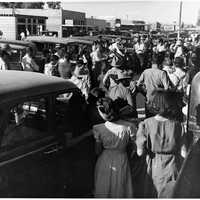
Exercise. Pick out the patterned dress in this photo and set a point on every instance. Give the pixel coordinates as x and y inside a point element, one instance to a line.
<point>112,172</point>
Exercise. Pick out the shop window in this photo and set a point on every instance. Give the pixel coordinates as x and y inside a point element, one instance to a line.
<point>21,20</point>
<point>41,21</point>
<point>34,21</point>
<point>34,30</point>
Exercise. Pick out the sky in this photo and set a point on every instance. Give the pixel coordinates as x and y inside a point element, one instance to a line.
<point>150,11</point>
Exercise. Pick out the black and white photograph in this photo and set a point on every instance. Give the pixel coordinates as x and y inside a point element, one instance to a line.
<point>100,99</point>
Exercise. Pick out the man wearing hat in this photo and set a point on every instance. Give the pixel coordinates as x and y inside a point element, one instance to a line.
<point>80,77</point>
<point>111,76</point>
<point>5,52</point>
<point>120,90</point>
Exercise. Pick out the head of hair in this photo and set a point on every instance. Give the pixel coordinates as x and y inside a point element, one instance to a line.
<point>95,94</point>
<point>54,58</point>
<point>160,40</point>
<point>107,109</point>
<point>168,104</point>
<point>29,50</point>
<point>179,62</point>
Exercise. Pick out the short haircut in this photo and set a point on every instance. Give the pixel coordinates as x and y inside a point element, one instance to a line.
<point>168,104</point>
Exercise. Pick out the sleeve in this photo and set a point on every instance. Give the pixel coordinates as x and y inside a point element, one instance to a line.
<point>140,80</point>
<point>106,77</point>
<point>96,134</point>
<point>165,80</point>
<point>141,137</point>
<point>23,63</point>
<point>128,96</point>
<point>184,143</point>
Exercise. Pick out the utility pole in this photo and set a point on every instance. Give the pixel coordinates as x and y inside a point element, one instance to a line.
<point>179,24</point>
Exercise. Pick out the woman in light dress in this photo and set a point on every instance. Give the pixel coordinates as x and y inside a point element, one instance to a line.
<point>162,140</point>
<point>112,172</point>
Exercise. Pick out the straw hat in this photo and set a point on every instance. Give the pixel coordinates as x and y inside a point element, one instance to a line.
<point>123,75</point>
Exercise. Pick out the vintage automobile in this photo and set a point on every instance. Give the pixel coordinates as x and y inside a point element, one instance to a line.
<point>48,42</point>
<point>37,114</point>
<point>17,50</point>
<point>188,182</point>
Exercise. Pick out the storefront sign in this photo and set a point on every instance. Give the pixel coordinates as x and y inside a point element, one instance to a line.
<point>69,22</point>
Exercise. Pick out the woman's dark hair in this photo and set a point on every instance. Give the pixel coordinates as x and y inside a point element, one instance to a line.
<point>179,61</point>
<point>108,108</point>
<point>95,94</point>
<point>168,104</point>
<point>160,40</point>
<point>54,58</point>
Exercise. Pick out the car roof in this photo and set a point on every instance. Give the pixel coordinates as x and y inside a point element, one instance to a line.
<point>17,44</point>
<point>56,40</point>
<point>15,85</point>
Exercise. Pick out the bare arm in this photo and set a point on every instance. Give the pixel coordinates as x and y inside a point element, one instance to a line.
<point>141,139</point>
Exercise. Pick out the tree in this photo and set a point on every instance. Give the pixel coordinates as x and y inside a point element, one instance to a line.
<point>54,4</point>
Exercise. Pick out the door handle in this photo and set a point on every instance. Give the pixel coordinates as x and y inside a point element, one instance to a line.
<point>56,149</point>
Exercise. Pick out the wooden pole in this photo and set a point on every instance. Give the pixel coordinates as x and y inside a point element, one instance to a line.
<point>179,24</point>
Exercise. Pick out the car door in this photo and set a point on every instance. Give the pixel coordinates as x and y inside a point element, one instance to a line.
<point>30,152</point>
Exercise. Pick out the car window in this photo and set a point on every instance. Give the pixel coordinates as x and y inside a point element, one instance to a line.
<point>14,61</point>
<point>23,122</point>
<point>70,113</point>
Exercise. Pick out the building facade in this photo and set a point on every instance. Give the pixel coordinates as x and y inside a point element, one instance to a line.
<point>96,24</point>
<point>13,23</point>
<point>64,22</point>
<point>127,25</point>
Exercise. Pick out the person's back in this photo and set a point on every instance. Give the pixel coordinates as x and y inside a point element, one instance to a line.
<point>28,62</point>
<point>153,79</point>
<point>64,69</point>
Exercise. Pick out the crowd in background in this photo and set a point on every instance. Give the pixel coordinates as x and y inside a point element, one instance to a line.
<point>110,76</point>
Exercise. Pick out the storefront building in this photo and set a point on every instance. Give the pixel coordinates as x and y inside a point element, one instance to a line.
<point>63,22</point>
<point>12,24</point>
<point>96,24</point>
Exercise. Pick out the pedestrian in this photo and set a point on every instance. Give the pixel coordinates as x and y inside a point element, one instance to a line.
<point>117,47</point>
<point>64,66</point>
<point>161,50</point>
<point>151,80</point>
<point>178,77</point>
<point>122,92</point>
<point>28,62</point>
<point>162,140</point>
<point>80,77</point>
<point>194,67</point>
<point>92,111</point>
<point>98,60</point>
<point>140,49</point>
<point>5,52</point>
<point>111,76</point>
<point>51,68</point>
<point>112,171</point>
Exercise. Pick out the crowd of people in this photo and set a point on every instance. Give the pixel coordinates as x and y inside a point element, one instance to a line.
<point>137,157</point>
